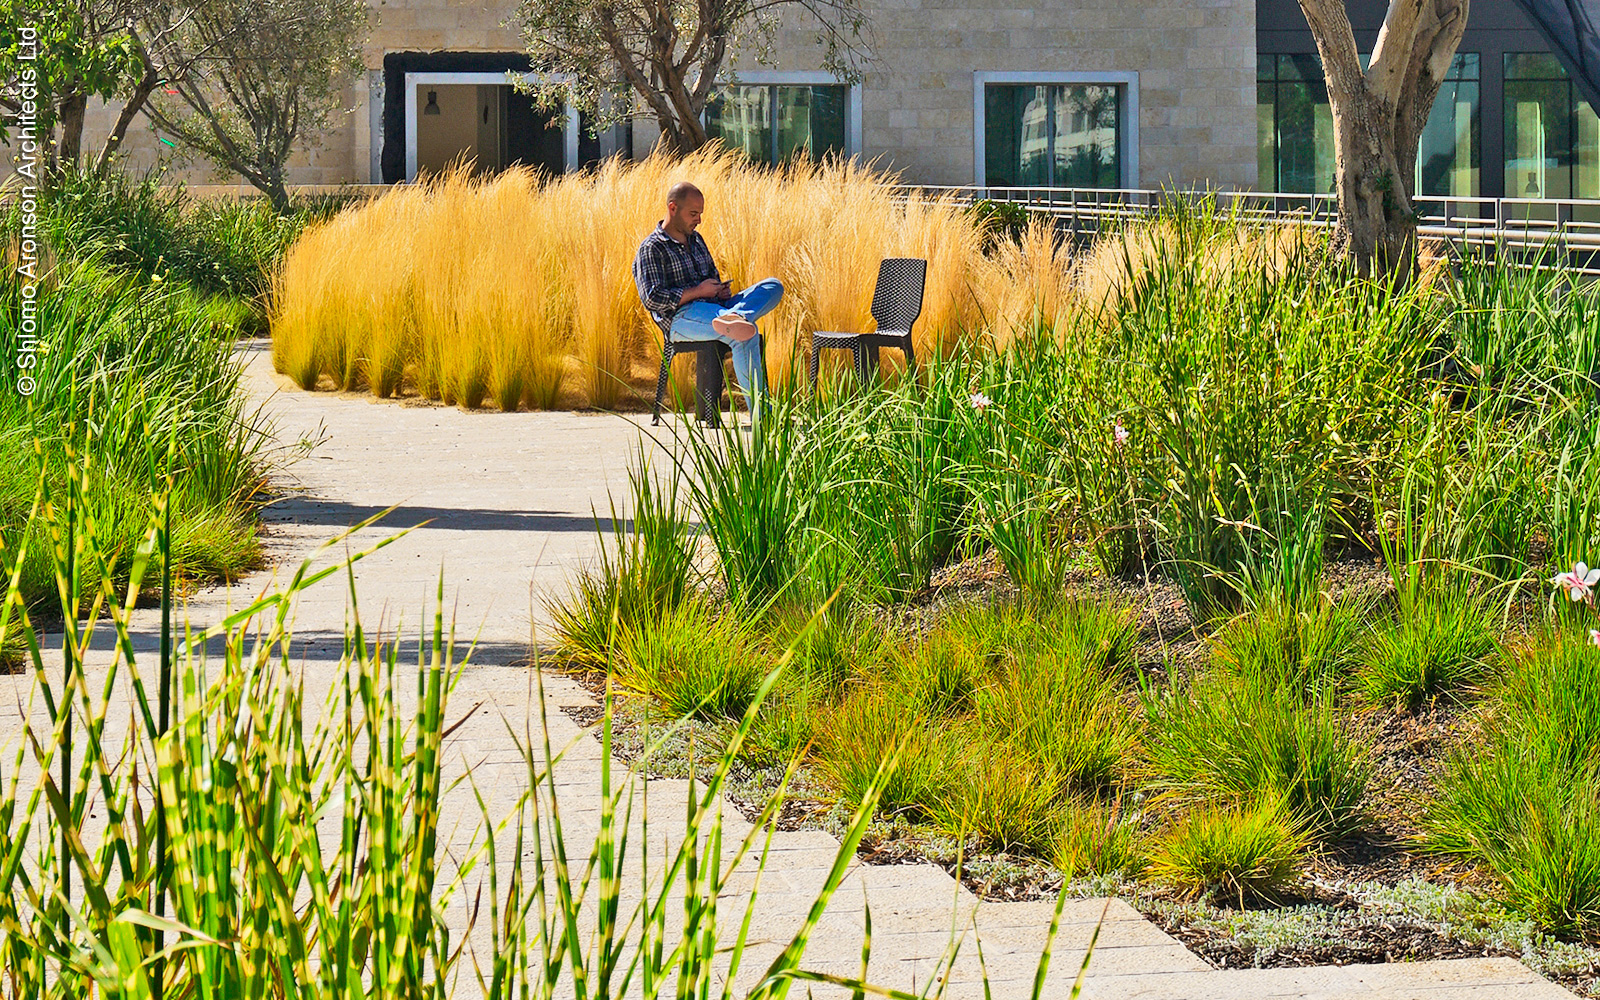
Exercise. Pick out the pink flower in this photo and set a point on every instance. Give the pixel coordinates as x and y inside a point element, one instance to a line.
<point>980,402</point>
<point>1119,435</point>
<point>1594,636</point>
<point>1577,582</point>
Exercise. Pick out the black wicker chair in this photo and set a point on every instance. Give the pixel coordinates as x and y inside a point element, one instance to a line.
<point>709,355</point>
<point>896,304</point>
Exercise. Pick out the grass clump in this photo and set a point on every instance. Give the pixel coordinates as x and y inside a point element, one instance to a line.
<point>643,571</point>
<point>1249,852</point>
<point>1526,806</point>
<point>870,728</point>
<point>1220,739</point>
<point>1306,647</point>
<point>1097,838</point>
<point>995,791</point>
<point>1441,647</point>
<point>135,380</point>
<point>1070,714</point>
<point>941,676</point>
<point>695,663</point>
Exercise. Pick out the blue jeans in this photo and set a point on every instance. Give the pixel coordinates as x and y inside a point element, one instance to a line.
<point>693,323</point>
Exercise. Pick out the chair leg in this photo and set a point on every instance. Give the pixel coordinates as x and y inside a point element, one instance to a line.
<point>708,384</point>
<point>911,358</point>
<point>661,382</point>
<point>814,362</point>
<point>863,364</point>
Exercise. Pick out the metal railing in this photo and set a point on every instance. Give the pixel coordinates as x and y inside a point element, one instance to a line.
<point>1565,227</point>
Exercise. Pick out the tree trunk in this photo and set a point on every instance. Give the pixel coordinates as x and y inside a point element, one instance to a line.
<point>1377,225</point>
<point>136,101</point>
<point>270,183</point>
<point>674,139</point>
<point>70,145</point>
<point>1378,118</point>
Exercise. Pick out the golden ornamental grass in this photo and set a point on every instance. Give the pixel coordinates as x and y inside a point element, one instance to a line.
<point>518,292</point>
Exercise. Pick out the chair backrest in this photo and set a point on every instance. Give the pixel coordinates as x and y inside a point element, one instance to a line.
<point>897,298</point>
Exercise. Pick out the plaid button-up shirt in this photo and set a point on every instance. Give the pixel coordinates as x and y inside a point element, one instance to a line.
<point>663,268</point>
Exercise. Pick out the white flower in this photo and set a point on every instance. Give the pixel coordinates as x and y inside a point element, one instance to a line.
<point>980,402</point>
<point>1578,582</point>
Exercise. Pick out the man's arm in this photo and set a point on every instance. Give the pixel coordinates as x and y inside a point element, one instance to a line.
<point>650,277</point>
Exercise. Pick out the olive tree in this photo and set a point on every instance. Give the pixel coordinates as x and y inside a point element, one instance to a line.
<point>1378,116</point>
<point>247,81</point>
<point>661,58</point>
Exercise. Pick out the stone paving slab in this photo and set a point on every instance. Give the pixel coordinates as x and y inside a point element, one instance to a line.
<point>509,498</point>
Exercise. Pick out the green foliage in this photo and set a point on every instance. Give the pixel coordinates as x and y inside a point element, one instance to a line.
<point>91,56</point>
<point>1000,220</point>
<point>994,791</point>
<point>298,851</point>
<point>134,380</point>
<point>1527,804</point>
<point>871,728</point>
<point>743,491</point>
<point>1223,739</point>
<point>1239,853</point>
<point>1440,646</point>
<point>228,247</point>
<point>1070,714</point>
<point>691,661</point>
<point>940,676</point>
<point>828,648</point>
<point>1306,648</point>
<point>643,571</point>
<point>1093,838</point>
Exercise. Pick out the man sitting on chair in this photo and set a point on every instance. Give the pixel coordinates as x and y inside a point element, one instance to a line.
<point>679,283</point>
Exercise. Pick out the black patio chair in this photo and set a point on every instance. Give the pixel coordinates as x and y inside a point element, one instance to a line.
<point>896,304</point>
<point>709,355</point>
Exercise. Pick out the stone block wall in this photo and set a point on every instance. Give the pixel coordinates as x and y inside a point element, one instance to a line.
<point>1195,61</point>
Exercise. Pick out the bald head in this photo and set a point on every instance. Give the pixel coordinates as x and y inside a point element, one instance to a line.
<point>678,193</point>
<point>685,203</point>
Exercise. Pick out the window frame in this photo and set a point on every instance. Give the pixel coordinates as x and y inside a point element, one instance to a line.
<point>1126,82</point>
<point>773,78</point>
<point>415,82</point>
<point>1575,100</point>
<point>1279,80</point>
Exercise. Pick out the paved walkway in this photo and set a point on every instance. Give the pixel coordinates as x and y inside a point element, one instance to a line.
<point>507,498</point>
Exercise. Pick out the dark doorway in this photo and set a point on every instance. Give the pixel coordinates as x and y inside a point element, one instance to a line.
<point>534,138</point>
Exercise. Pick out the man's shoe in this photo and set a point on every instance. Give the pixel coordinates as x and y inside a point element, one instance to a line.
<point>734,325</point>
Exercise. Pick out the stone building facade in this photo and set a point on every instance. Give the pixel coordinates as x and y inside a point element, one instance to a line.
<point>1080,93</point>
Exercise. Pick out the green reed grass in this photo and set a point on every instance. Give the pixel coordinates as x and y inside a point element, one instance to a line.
<point>227,247</point>
<point>1524,804</point>
<point>1097,838</point>
<point>644,569</point>
<point>1440,646</point>
<point>1223,739</point>
<point>135,380</point>
<point>192,855</point>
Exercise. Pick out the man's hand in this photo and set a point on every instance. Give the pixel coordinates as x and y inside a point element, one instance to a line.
<point>710,288</point>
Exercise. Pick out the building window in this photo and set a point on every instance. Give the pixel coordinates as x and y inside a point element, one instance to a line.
<point>1052,135</point>
<point>1295,127</point>
<point>1447,153</point>
<point>1294,124</point>
<point>1552,137</point>
<point>772,123</point>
